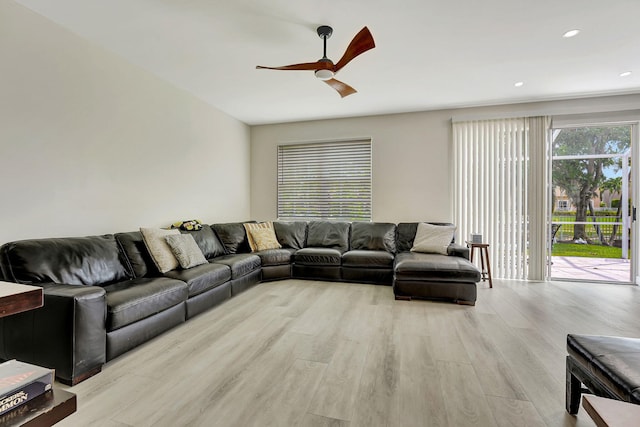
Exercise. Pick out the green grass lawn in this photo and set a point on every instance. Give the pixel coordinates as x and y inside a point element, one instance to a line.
<point>586,251</point>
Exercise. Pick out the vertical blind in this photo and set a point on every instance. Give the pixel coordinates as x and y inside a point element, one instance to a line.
<point>329,180</point>
<point>493,194</point>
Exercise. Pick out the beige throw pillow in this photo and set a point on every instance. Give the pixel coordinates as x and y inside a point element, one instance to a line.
<point>186,250</point>
<point>433,239</point>
<point>265,238</point>
<point>159,248</point>
<point>250,226</point>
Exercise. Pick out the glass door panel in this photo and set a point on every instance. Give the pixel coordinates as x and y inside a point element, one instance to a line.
<point>591,204</point>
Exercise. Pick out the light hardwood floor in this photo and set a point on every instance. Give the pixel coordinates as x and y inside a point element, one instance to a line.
<point>336,354</point>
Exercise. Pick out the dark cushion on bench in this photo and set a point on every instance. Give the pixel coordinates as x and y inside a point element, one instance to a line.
<point>614,361</point>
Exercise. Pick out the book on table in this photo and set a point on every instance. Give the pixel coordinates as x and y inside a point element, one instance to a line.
<point>20,382</point>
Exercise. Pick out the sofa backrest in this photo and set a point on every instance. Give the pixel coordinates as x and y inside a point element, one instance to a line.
<point>233,236</point>
<point>328,234</point>
<point>92,261</point>
<point>138,257</point>
<point>291,234</point>
<point>207,241</point>
<point>406,234</point>
<point>373,236</point>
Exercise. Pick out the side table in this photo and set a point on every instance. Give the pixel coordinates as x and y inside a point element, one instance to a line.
<point>484,259</point>
<point>53,405</point>
<point>16,298</point>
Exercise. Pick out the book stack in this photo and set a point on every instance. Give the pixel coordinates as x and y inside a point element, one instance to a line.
<point>20,382</point>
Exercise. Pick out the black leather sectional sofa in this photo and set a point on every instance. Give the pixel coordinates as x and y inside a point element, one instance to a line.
<point>104,295</point>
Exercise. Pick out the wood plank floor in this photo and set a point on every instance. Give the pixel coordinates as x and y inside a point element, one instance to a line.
<point>311,353</point>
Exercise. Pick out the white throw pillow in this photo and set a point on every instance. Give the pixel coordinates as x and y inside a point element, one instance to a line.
<point>186,250</point>
<point>159,248</point>
<point>433,239</point>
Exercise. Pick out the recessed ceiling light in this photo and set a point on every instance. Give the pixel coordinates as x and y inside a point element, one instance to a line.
<point>625,74</point>
<point>570,33</point>
<point>518,84</point>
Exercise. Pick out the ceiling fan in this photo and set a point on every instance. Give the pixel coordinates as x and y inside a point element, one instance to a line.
<point>325,69</point>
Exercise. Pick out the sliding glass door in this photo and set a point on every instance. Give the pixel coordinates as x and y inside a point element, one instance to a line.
<point>592,204</point>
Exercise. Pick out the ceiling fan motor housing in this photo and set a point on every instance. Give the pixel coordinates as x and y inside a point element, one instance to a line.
<point>325,73</point>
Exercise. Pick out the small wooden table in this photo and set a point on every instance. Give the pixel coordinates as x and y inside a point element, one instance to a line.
<point>611,413</point>
<point>16,298</point>
<point>484,259</point>
<point>52,406</point>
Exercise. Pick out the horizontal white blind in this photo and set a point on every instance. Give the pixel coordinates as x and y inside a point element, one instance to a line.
<point>325,181</point>
<point>491,186</point>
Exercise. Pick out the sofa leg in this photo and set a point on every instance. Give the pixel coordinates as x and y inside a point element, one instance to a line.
<point>403,298</point>
<point>80,378</point>
<point>463,302</point>
<point>574,389</point>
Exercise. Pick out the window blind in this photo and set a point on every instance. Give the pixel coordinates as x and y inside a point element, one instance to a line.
<point>499,191</point>
<point>329,181</point>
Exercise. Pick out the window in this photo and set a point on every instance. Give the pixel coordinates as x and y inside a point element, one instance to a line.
<point>325,181</point>
<point>563,205</point>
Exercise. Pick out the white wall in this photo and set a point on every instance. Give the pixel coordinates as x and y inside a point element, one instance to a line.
<point>411,153</point>
<point>91,144</point>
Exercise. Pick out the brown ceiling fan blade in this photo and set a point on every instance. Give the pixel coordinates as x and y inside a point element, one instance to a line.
<point>362,42</point>
<point>305,66</point>
<point>342,88</point>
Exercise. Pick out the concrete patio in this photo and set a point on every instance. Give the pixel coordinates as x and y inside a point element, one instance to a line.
<point>591,269</point>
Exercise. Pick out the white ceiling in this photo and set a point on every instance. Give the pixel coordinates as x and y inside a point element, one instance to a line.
<point>430,54</point>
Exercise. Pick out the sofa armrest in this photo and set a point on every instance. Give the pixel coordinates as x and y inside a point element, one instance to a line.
<point>455,249</point>
<point>67,334</point>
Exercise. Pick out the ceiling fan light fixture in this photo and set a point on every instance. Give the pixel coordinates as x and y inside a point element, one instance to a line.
<point>324,74</point>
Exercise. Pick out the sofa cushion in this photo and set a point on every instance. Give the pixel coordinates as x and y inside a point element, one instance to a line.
<point>328,234</point>
<point>233,236</point>
<point>137,299</point>
<point>240,264</point>
<point>254,227</point>
<point>159,248</point>
<point>418,266</point>
<point>433,239</point>
<point>373,236</point>
<point>406,233</point>
<point>136,254</point>
<point>291,234</point>
<point>92,261</point>
<point>318,257</point>
<point>276,256</point>
<point>203,277</point>
<point>264,239</point>
<point>186,250</point>
<point>208,242</point>
<point>367,259</point>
